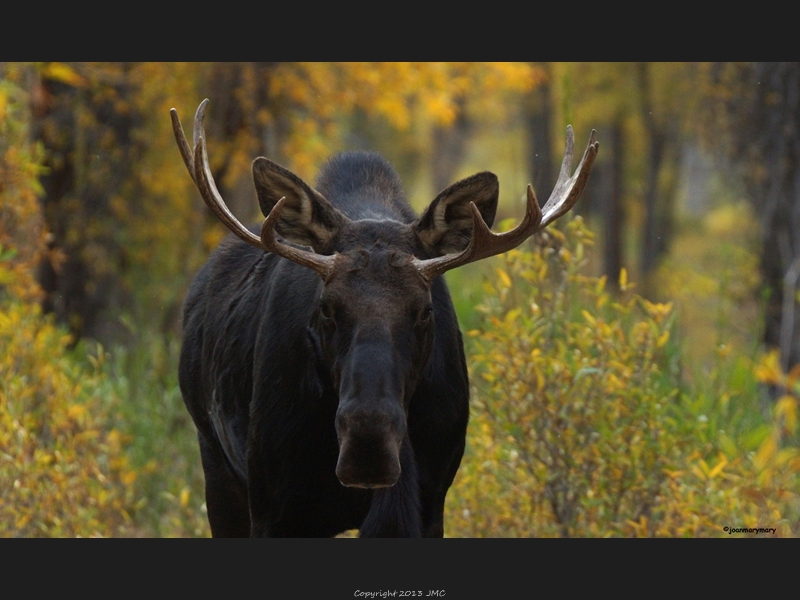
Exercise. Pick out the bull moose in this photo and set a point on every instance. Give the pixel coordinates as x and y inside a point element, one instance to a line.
<point>322,361</point>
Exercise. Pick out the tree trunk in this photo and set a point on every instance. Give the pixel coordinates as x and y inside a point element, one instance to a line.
<point>658,216</point>
<point>764,109</point>
<point>90,153</point>
<point>538,118</point>
<point>614,214</point>
<point>449,149</point>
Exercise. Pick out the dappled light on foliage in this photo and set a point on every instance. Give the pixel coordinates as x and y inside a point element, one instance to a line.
<point>581,425</point>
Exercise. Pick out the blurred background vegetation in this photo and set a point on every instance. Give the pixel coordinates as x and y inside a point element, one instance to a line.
<point>635,368</point>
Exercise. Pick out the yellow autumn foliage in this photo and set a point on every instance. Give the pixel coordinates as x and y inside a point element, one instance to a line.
<point>582,426</point>
<point>21,232</point>
<point>404,94</point>
<point>62,463</point>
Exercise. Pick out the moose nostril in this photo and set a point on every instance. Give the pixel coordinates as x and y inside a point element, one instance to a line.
<point>369,445</point>
<point>368,462</point>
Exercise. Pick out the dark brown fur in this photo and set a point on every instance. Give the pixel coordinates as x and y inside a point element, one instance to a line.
<point>323,406</point>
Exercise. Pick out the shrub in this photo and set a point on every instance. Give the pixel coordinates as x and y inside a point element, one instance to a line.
<point>62,465</point>
<point>581,425</point>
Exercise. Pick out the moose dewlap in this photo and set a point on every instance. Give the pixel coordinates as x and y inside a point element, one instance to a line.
<point>322,361</point>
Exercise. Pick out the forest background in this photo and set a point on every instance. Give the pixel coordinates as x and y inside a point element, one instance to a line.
<point>634,367</point>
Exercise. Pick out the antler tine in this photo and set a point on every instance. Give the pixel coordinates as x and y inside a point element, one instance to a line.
<point>208,189</point>
<point>321,263</point>
<point>200,171</point>
<point>183,145</point>
<point>484,243</point>
<point>199,128</point>
<point>568,189</point>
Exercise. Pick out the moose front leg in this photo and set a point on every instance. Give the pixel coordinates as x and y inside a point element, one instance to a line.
<point>226,494</point>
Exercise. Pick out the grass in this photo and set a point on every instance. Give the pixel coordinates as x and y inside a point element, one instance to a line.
<point>163,444</point>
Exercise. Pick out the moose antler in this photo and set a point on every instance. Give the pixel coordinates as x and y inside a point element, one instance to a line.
<point>484,243</point>
<point>197,164</point>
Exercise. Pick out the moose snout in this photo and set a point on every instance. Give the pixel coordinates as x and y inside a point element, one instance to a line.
<point>369,446</point>
<point>370,419</point>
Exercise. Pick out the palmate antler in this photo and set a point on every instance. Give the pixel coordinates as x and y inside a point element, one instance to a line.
<point>483,242</point>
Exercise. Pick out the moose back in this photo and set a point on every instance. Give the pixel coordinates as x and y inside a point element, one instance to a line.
<point>322,361</point>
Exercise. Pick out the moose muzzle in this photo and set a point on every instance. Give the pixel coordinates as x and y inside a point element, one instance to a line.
<point>370,420</point>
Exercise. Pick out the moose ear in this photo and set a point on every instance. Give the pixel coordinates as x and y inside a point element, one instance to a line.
<point>446,225</point>
<point>307,218</point>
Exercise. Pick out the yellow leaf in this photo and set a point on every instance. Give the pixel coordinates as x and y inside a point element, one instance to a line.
<point>76,410</point>
<point>601,284</point>
<point>769,369</point>
<point>63,73</point>
<point>22,521</point>
<point>699,472</point>
<point>786,408</point>
<point>718,468</point>
<point>504,278</point>
<point>766,451</point>
<point>662,339</point>
<point>657,310</point>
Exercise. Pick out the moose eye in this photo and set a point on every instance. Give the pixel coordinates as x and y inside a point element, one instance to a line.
<point>325,311</point>
<point>425,314</point>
